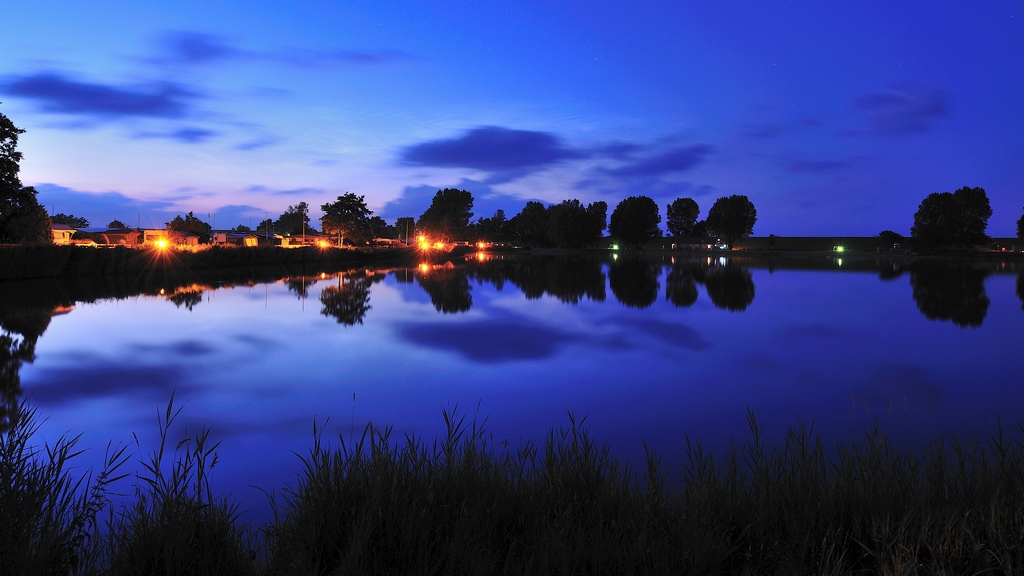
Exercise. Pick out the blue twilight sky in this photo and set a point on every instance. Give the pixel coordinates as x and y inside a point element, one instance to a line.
<point>833,118</point>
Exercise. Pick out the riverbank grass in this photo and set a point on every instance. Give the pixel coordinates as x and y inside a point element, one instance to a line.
<point>468,504</point>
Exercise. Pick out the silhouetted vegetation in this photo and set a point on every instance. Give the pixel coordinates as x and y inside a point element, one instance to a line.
<point>191,224</point>
<point>22,219</point>
<point>635,221</point>
<point>349,217</point>
<point>681,217</point>
<point>70,220</point>
<point>293,221</point>
<point>467,503</point>
<point>953,219</point>
<point>448,215</point>
<point>731,217</point>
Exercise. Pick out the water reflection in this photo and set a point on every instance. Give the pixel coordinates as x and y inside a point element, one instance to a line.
<point>349,300</point>
<point>448,287</point>
<point>634,281</point>
<point>569,279</point>
<point>187,297</point>
<point>21,328</point>
<point>730,287</point>
<point>941,291</point>
<point>1020,289</point>
<point>954,293</point>
<point>681,286</point>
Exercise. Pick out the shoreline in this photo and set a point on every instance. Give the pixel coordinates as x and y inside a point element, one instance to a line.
<point>33,262</point>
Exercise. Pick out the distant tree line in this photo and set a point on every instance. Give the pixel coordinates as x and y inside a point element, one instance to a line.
<point>943,219</point>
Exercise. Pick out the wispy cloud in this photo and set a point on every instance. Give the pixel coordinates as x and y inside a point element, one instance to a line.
<point>492,149</point>
<point>184,135</point>
<point>193,48</point>
<point>188,48</point>
<point>817,166</point>
<point>59,93</point>
<point>903,110</point>
<point>673,160</point>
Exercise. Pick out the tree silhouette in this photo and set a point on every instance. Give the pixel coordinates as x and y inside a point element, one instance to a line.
<point>406,227</point>
<point>957,219</point>
<point>70,220</point>
<point>635,221</point>
<point>681,216</point>
<point>1020,228</point>
<point>347,216</point>
<point>732,217</point>
<point>448,215</point>
<point>294,220</point>
<point>531,225</point>
<point>191,224</point>
<point>22,218</point>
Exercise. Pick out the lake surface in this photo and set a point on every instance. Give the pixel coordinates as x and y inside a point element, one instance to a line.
<point>647,350</point>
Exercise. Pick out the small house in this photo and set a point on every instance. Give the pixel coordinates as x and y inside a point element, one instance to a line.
<point>62,234</point>
<point>111,236</point>
<point>236,239</point>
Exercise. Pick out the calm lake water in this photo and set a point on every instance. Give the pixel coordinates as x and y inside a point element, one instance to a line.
<point>645,349</point>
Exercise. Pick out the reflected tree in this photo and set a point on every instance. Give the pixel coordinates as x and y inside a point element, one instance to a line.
<point>299,285</point>
<point>448,288</point>
<point>634,282</point>
<point>20,329</point>
<point>956,294</point>
<point>1020,289</point>
<point>680,287</point>
<point>187,299</point>
<point>570,280</point>
<point>730,287</point>
<point>348,301</point>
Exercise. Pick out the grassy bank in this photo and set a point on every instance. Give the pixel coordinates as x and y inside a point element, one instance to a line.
<point>466,504</point>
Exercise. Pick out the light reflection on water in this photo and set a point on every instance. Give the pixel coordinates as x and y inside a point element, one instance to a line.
<point>646,350</point>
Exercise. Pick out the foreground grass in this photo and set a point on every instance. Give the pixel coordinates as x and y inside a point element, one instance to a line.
<point>466,505</point>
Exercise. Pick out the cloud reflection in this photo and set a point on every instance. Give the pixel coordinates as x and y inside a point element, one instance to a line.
<point>487,341</point>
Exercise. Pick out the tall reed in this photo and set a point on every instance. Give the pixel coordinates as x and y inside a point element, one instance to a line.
<point>469,504</point>
<point>48,518</point>
<point>176,525</point>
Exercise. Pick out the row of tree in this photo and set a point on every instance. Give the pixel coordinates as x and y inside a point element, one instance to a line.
<point>572,224</point>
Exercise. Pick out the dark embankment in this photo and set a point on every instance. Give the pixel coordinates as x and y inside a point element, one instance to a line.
<point>28,262</point>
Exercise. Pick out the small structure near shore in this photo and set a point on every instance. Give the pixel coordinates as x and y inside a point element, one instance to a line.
<point>62,234</point>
